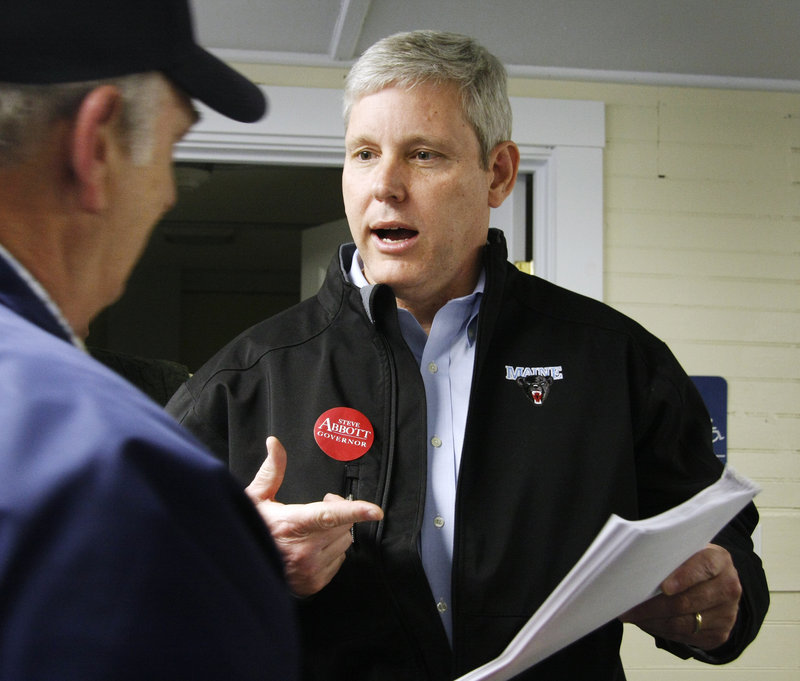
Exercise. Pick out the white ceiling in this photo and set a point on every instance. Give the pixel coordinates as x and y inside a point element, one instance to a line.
<point>604,39</point>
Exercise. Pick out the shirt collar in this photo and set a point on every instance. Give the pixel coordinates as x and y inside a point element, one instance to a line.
<point>21,305</point>
<point>468,306</point>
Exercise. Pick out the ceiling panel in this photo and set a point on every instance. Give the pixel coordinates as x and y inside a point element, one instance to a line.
<point>726,38</point>
<point>300,26</point>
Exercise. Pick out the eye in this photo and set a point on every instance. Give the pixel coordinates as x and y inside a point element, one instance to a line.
<point>364,155</point>
<point>423,155</point>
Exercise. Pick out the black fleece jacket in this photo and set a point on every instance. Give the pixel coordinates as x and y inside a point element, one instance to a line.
<point>618,428</point>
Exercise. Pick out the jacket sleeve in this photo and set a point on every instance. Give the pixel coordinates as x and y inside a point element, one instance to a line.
<point>204,413</point>
<point>119,564</point>
<point>676,459</point>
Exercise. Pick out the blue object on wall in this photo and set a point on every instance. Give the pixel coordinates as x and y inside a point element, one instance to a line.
<point>714,391</point>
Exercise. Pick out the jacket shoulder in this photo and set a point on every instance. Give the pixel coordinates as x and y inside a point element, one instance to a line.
<point>292,327</point>
<point>576,320</point>
<point>559,304</point>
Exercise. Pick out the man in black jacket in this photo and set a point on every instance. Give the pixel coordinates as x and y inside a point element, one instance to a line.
<point>497,419</point>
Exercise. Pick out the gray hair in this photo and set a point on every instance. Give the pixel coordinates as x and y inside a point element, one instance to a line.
<point>28,111</point>
<point>410,59</point>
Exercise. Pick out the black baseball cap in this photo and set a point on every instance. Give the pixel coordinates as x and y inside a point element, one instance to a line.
<point>62,41</point>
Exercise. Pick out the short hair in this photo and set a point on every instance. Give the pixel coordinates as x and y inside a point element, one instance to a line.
<point>410,59</point>
<point>28,111</point>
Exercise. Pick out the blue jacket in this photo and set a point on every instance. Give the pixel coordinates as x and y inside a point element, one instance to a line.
<point>126,551</point>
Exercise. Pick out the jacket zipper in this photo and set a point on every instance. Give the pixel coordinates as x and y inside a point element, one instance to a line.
<point>351,475</point>
<point>390,445</point>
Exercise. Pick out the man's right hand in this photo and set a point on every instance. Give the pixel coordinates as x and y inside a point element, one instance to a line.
<point>312,538</point>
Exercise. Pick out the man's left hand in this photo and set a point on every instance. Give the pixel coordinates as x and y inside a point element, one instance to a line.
<point>698,602</point>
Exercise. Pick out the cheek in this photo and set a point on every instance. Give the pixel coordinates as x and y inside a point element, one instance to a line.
<point>350,211</point>
<point>473,198</point>
<point>355,205</point>
<point>350,189</point>
<point>459,189</point>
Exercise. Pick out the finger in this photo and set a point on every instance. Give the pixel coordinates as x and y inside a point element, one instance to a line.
<point>268,479</point>
<point>309,543</point>
<point>343,512</point>
<point>701,567</point>
<point>339,541</point>
<point>333,513</point>
<point>710,630</point>
<point>317,518</point>
<point>683,605</point>
<point>676,617</point>
<point>356,510</point>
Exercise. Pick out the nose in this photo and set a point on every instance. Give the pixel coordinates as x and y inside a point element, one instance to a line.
<point>389,182</point>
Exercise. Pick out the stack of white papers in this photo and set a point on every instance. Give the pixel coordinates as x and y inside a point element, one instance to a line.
<point>623,567</point>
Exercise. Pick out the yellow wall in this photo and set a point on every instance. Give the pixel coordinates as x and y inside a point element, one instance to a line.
<point>702,246</point>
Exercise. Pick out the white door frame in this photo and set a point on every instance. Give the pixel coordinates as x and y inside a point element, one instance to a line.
<point>561,143</point>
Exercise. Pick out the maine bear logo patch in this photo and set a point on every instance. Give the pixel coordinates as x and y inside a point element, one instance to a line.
<point>535,387</point>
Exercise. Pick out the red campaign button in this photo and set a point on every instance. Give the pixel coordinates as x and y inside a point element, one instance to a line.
<point>344,434</point>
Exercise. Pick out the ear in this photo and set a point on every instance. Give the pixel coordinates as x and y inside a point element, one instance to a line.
<point>94,145</point>
<point>503,166</point>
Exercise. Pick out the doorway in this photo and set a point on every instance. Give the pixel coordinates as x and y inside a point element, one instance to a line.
<point>225,257</point>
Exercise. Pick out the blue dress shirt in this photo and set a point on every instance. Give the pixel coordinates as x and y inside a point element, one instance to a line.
<point>446,357</point>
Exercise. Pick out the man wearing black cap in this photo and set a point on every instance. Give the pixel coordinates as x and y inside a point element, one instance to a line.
<point>126,551</point>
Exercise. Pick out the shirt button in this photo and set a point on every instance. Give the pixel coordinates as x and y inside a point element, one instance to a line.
<point>441,606</point>
<point>433,368</point>
<point>436,442</point>
<point>438,521</point>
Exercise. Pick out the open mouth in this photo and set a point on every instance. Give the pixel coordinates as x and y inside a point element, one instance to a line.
<point>393,234</point>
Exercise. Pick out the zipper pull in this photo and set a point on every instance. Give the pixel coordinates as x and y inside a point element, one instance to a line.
<point>351,481</point>
<point>351,473</point>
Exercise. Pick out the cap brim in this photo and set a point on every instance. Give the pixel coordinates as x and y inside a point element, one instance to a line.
<point>205,77</point>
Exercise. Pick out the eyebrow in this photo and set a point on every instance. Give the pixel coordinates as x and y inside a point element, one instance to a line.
<point>413,141</point>
<point>356,141</point>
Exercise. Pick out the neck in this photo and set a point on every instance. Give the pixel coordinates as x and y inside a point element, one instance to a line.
<point>425,308</point>
<point>423,313</point>
<point>43,240</point>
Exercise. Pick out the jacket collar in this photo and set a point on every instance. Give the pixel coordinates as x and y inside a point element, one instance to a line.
<point>17,293</point>
<point>497,268</point>
<point>495,256</point>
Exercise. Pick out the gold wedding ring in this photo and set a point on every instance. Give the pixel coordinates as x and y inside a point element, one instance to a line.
<point>698,622</point>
